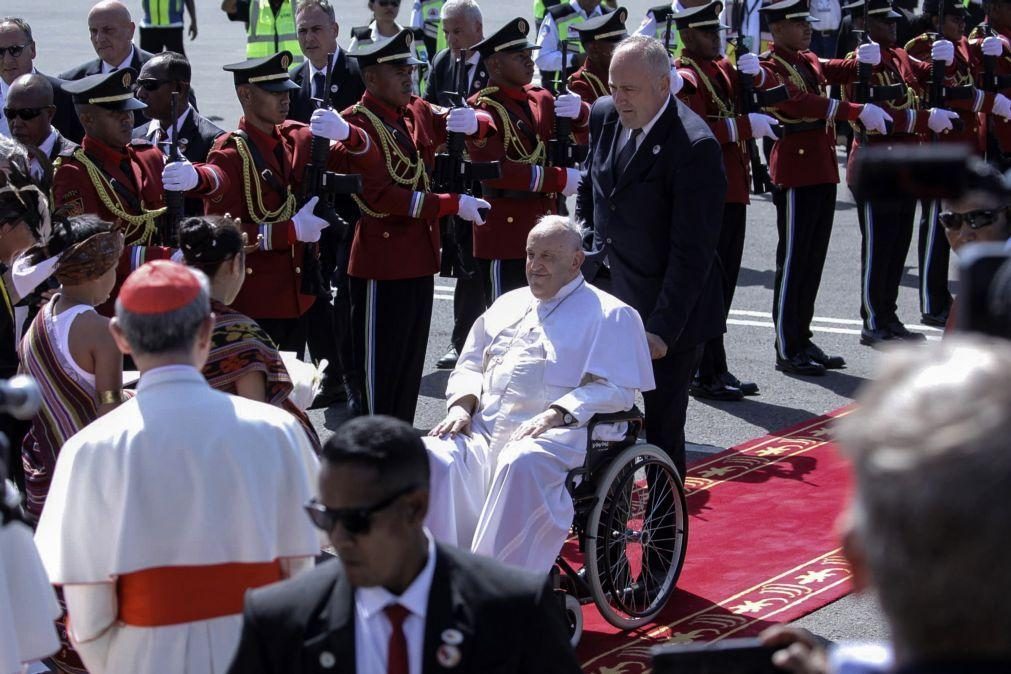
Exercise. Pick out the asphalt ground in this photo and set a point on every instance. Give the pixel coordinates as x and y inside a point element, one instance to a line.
<point>61,35</point>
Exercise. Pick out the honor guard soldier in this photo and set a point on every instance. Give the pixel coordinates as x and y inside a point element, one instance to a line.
<point>712,89</point>
<point>886,226</point>
<point>948,19</point>
<point>395,252</point>
<point>265,160</point>
<point>804,170</point>
<point>124,180</point>
<point>994,65</point>
<point>598,37</point>
<point>557,24</point>
<point>525,118</point>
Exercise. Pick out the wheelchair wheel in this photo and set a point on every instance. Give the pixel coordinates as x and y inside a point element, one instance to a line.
<point>574,617</point>
<point>636,536</point>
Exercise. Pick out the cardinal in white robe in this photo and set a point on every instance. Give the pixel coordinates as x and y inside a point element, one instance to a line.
<point>163,512</point>
<point>536,367</point>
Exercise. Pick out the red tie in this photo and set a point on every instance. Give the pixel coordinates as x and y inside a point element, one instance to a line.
<point>396,661</point>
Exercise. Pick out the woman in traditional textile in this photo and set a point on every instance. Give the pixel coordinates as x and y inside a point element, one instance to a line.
<point>68,348</point>
<point>243,359</point>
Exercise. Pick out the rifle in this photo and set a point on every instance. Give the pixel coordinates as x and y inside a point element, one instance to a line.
<point>327,185</point>
<point>939,94</point>
<point>561,150</point>
<point>992,82</point>
<point>175,202</point>
<point>865,91</point>
<point>455,174</point>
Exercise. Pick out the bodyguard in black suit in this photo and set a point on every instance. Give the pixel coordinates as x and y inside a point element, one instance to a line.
<point>655,213</point>
<point>411,603</point>
<point>32,123</point>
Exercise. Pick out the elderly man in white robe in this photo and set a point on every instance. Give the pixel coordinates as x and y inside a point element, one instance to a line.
<point>537,366</point>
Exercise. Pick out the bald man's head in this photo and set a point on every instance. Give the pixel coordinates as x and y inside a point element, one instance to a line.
<point>31,96</point>
<point>111,28</point>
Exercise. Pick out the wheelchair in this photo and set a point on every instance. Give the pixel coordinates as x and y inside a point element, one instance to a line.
<point>631,525</point>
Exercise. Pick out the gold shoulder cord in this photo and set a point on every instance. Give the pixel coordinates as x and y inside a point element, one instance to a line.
<point>259,213</point>
<point>145,222</point>
<point>596,84</point>
<point>798,81</point>
<point>725,111</point>
<point>510,137</point>
<point>413,175</point>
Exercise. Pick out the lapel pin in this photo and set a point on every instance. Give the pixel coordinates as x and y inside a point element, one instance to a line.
<point>333,88</point>
<point>656,149</point>
<point>327,660</point>
<point>452,637</point>
<point>448,656</point>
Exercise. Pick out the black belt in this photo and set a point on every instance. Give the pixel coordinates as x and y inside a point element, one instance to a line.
<point>494,193</point>
<point>789,129</point>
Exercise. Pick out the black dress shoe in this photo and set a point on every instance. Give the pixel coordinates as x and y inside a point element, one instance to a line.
<point>448,360</point>
<point>899,331</point>
<point>877,337</point>
<point>937,320</point>
<point>815,353</point>
<point>748,388</point>
<point>353,390</point>
<point>714,389</point>
<point>800,364</point>
<point>331,393</point>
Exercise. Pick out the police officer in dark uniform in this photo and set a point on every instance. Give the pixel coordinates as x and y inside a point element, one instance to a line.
<point>395,252</point>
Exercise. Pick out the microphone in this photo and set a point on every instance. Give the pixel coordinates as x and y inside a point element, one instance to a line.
<point>20,397</point>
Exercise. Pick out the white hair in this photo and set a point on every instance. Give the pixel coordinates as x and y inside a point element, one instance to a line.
<point>464,9</point>
<point>559,224</point>
<point>649,49</point>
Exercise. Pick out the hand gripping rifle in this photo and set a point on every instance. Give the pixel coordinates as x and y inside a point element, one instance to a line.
<point>456,174</point>
<point>561,149</point>
<point>175,202</point>
<point>327,185</point>
<point>939,93</point>
<point>991,81</point>
<point>866,91</point>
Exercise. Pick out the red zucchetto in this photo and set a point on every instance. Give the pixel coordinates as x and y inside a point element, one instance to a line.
<point>158,287</point>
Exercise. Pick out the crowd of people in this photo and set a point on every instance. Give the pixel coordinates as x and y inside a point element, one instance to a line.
<point>163,277</point>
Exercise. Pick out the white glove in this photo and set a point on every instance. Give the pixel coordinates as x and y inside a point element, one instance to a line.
<point>940,120</point>
<point>869,53</point>
<point>1001,106</point>
<point>943,50</point>
<point>992,46</point>
<point>469,206</point>
<point>873,118</point>
<point>572,178</point>
<point>748,64</point>
<point>568,105</point>
<point>676,82</point>
<point>307,225</point>
<point>329,124</point>
<point>761,125</point>
<point>179,176</point>
<point>462,120</point>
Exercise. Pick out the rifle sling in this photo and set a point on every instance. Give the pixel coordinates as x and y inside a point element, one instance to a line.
<point>261,165</point>
<point>132,201</point>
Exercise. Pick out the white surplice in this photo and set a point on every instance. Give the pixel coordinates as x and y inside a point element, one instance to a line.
<point>180,475</point>
<point>582,350</point>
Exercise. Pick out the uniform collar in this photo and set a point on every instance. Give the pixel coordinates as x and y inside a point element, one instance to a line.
<point>383,109</point>
<point>101,151</point>
<point>267,139</point>
<point>515,93</point>
<point>371,600</point>
<point>597,11</point>
<point>788,54</point>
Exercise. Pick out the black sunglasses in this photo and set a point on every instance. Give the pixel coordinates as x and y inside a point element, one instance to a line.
<point>975,219</point>
<point>15,49</point>
<point>149,84</point>
<point>356,521</point>
<point>25,113</point>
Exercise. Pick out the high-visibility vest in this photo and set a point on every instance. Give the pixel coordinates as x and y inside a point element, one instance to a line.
<point>162,13</point>
<point>660,19</point>
<point>269,34</point>
<point>431,22</point>
<point>566,17</point>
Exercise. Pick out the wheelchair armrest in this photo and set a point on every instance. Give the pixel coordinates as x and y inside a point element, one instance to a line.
<point>632,416</point>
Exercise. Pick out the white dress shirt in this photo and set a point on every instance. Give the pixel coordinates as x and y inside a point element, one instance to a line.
<point>373,629</point>
<point>5,128</point>
<point>625,134</point>
<point>106,68</point>
<point>549,58</point>
<point>155,126</point>
<point>46,148</point>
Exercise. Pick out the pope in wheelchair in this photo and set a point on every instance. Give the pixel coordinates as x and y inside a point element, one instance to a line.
<point>537,366</point>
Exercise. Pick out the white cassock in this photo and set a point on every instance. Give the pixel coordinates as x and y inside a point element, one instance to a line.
<point>28,606</point>
<point>147,506</point>
<point>583,350</point>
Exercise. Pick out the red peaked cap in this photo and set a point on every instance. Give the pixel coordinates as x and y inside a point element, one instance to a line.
<point>158,287</point>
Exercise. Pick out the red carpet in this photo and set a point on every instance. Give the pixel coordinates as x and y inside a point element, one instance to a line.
<point>762,547</point>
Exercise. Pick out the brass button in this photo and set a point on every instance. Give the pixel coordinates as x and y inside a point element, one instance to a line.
<point>800,151</point>
<point>298,270</point>
<point>386,235</point>
<point>509,219</point>
<point>249,270</point>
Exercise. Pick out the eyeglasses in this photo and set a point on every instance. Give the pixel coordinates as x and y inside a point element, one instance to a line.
<point>149,85</point>
<point>25,113</point>
<point>975,219</point>
<point>356,521</point>
<point>14,50</point>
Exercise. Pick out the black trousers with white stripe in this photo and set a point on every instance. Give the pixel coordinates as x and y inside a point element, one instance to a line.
<point>933,253</point>
<point>886,230</point>
<point>730,249</point>
<point>389,337</point>
<point>501,276</point>
<point>804,218</point>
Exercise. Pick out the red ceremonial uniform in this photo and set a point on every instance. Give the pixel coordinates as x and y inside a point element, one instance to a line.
<point>590,83</point>
<point>711,91</point>
<point>273,284</point>
<point>123,186</point>
<point>398,233</point>
<point>998,126</point>
<point>807,157</point>
<point>527,190</point>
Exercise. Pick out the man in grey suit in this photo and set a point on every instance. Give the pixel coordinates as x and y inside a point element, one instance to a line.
<point>653,191</point>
